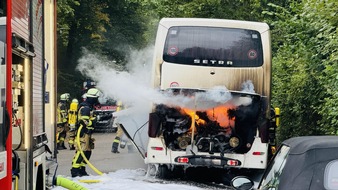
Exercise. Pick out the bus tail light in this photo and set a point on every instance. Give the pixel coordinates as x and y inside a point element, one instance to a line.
<point>183,160</point>
<point>232,163</point>
<point>157,148</point>
<point>258,153</point>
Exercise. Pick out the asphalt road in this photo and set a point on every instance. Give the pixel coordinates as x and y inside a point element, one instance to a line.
<point>102,158</point>
<point>105,161</point>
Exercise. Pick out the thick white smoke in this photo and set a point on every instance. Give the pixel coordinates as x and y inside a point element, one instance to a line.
<point>133,87</point>
<point>130,87</point>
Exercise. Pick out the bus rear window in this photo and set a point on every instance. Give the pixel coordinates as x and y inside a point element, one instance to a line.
<point>213,46</point>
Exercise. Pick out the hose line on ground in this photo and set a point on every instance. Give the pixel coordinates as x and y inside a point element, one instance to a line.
<point>82,154</point>
<point>89,180</point>
<point>68,184</point>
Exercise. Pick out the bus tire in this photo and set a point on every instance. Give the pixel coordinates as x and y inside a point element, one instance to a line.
<point>163,172</point>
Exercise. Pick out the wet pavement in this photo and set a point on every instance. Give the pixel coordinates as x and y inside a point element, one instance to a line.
<point>102,158</point>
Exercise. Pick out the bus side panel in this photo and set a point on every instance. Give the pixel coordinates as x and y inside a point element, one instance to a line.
<point>158,58</point>
<point>266,42</point>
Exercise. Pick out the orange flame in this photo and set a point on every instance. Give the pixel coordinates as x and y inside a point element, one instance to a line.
<point>218,114</point>
<point>193,115</point>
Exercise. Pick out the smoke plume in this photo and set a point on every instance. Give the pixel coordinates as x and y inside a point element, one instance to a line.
<point>133,87</point>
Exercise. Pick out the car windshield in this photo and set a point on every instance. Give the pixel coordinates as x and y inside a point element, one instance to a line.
<point>105,100</point>
<point>271,176</point>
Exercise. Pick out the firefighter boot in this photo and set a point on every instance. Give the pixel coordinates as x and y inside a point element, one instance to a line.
<point>71,147</point>
<point>60,147</point>
<point>76,172</point>
<point>63,145</point>
<point>83,171</point>
<point>114,148</point>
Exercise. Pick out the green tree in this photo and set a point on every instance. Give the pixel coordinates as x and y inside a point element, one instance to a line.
<point>322,18</point>
<point>111,28</point>
<point>302,60</point>
<point>223,9</point>
<point>304,47</point>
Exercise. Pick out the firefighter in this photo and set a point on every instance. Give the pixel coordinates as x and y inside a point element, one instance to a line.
<point>88,84</point>
<point>86,119</point>
<point>72,119</point>
<point>62,121</point>
<point>119,132</point>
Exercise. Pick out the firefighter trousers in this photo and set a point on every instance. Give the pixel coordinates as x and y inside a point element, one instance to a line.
<point>61,132</point>
<point>117,140</point>
<point>87,144</point>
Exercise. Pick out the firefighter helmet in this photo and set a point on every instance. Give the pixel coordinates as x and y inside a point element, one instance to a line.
<point>93,93</point>
<point>89,84</point>
<point>65,96</point>
<point>75,100</point>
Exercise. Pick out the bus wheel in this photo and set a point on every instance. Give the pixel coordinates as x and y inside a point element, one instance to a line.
<point>163,172</point>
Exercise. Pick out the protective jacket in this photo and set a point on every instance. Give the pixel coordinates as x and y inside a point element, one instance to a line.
<point>86,119</point>
<point>119,132</point>
<point>62,127</point>
<point>62,111</point>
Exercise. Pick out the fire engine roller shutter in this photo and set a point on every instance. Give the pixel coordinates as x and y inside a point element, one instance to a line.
<point>37,69</point>
<point>22,19</point>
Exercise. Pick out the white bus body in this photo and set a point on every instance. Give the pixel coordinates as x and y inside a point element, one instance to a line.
<point>193,54</point>
<point>194,57</point>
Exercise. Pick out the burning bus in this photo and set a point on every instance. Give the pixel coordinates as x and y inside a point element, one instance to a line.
<point>216,75</point>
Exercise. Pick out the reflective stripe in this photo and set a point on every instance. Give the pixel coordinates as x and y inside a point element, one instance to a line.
<point>76,157</point>
<point>85,117</point>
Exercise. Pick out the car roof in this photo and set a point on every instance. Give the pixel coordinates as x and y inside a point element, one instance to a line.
<point>307,160</point>
<point>300,145</point>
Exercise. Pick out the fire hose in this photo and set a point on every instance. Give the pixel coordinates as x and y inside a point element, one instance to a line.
<point>16,182</point>
<point>72,185</point>
<point>67,183</point>
<point>64,182</point>
<point>82,154</point>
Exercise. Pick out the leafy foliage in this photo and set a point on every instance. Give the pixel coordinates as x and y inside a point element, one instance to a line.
<point>304,44</point>
<point>302,85</point>
<point>103,26</point>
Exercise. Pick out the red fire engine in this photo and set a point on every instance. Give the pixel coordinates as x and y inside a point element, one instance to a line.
<point>27,92</point>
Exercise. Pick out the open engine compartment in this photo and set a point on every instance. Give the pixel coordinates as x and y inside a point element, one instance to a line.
<point>226,128</point>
